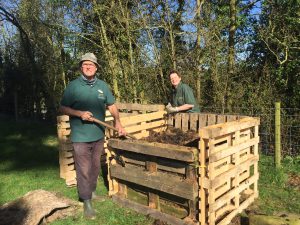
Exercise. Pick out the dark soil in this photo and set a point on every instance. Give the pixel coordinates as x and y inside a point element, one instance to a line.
<point>173,136</point>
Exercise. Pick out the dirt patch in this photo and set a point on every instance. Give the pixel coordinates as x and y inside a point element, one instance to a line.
<point>37,207</point>
<point>294,180</point>
<point>173,136</point>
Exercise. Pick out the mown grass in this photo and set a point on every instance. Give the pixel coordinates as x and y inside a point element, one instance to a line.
<point>275,192</point>
<point>29,161</point>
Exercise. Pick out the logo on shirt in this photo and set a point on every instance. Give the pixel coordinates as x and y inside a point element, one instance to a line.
<point>100,94</point>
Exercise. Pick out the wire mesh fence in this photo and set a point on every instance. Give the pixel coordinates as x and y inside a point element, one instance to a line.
<point>290,127</point>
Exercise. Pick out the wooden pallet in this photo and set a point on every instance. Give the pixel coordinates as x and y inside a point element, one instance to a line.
<point>66,160</point>
<point>208,184</point>
<point>229,169</point>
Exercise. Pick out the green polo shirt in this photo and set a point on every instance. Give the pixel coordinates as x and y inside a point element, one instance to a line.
<point>183,94</point>
<point>82,96</point>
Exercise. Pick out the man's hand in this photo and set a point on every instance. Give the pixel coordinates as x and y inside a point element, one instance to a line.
<point>121,130</point>
<point>171,109</point>
<point>86,115</point>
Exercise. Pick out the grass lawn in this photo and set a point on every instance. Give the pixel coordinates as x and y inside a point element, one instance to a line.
<point>276,193</point>
<point>29,161</point>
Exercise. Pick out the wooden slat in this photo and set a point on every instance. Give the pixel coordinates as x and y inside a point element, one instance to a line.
<point>65,132</point>
<point>185,122</point>
<point>223,188</point>
<point>230,195</point>
<point>221,119</point>
<point>194,121</point>
<point>66,154</point>
<point>245,175</point>
<point>63,125</point>
<point>71,175</point>
<point>233,149</point>
<point>126,121</point>
<point>220,167</point>
<point>162,164</point>
<point>221,143</point>
<point>170,120</point>
<point>142,134</point>
<point>233,171</point>
<point>243,206</point>
<point>140,107</point>
<point>225,128</point>
<point>158,181</point>
<point>211,119</point>
<point>122,190</point>
<point>145,126</point>
<point>66,146</point>
<point>62,118</point>
<point>226,208</point>
<point>178,117</point>
<point>169,151</point>
<point>67,167</point>
<point>153,198</point>
<point>153,201</point>
<point>172,166</point>
<point>230,118</point>
<point>202,120</point>
<point>151,212</point>
<point>203,188</point>
<point>66,161</point>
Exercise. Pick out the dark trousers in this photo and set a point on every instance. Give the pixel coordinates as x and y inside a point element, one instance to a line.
<point>87,165</point>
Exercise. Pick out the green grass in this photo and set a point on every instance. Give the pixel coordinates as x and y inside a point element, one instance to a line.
<point>29,161</point>
<point>275,194</point>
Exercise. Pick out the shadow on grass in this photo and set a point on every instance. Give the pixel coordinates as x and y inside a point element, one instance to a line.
<point>14,213</point>
<point>27,145</point>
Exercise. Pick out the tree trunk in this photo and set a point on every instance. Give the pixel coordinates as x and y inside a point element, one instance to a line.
<point>198,50</point>
<point>231,53</point>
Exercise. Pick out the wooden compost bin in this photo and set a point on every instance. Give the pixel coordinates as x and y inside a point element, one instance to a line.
<point>207,184</point>
<point>66,160</point>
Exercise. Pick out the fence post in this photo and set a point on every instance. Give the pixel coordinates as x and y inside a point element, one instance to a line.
<point>277,136</point>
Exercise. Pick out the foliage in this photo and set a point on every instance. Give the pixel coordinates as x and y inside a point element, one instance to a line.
<point>139,42</point>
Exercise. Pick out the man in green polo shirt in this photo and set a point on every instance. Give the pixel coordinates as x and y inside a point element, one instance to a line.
<point>182,97</point>
<point>85,98</point>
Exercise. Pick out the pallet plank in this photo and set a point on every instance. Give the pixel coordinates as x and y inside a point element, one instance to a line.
<point>194,121</point>
<point>158,181</point>
<point>230,127</point>
<point>139,107</point>
<point>151,212</point>
<point>169,151</point>
<point>233,149</point>
<point>142,118</point>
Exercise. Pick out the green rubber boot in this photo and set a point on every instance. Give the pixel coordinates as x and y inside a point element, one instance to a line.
<point>88,210</point>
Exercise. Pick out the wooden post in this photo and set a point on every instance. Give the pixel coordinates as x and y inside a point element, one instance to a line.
<point>277,136</point>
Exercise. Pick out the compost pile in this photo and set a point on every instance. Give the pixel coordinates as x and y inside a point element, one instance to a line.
<point>174,136</point>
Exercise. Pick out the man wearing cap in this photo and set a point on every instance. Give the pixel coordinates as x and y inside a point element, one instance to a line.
<point>85,98</point>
